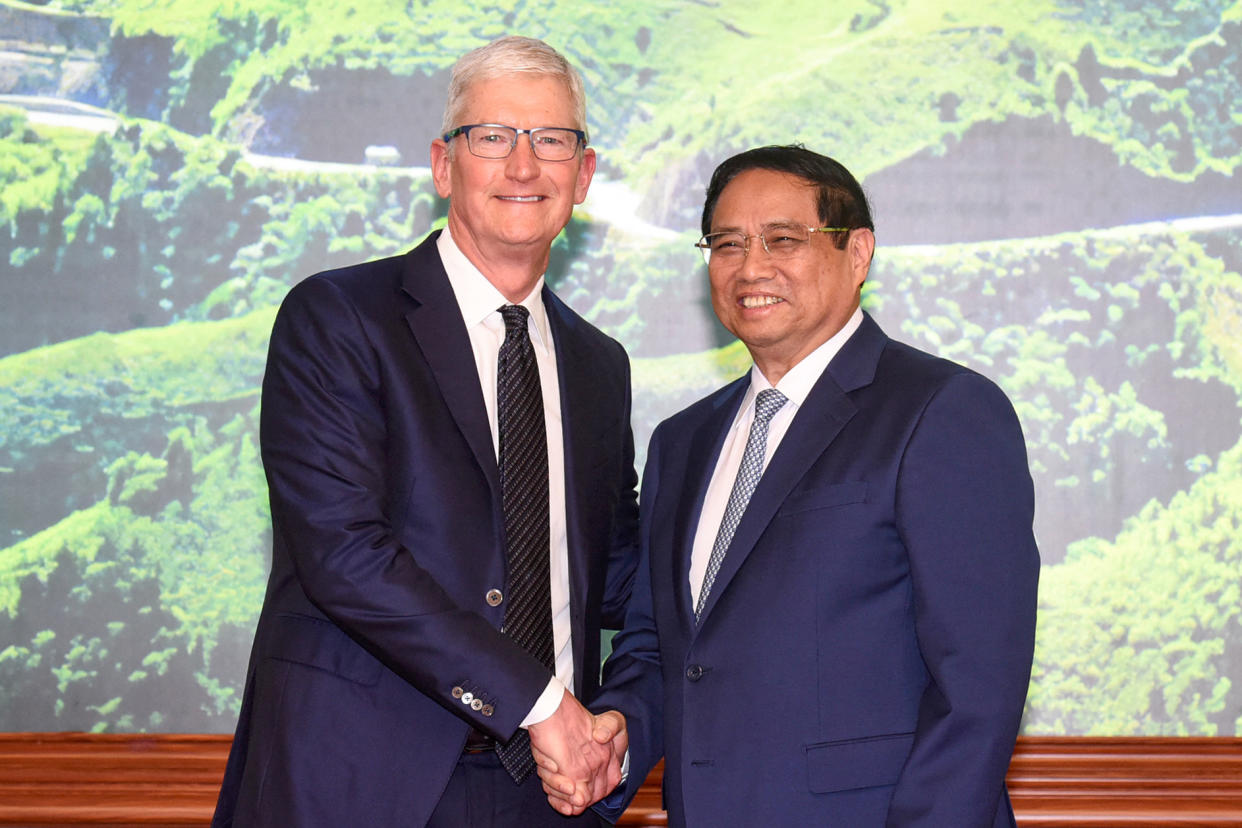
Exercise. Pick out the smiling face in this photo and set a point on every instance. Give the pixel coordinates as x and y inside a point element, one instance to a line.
<point>783,309</point>
<point>504,213</point>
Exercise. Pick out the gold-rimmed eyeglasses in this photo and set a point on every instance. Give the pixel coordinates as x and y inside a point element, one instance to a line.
<point>780,241</point>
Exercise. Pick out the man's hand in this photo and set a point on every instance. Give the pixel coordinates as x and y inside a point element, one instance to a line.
<point>579,753</point>
<point>565,794</point>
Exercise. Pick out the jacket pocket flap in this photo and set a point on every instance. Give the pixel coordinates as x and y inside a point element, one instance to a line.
<point>320,644</point>
<point>857,763</point>
<point>825,497</point>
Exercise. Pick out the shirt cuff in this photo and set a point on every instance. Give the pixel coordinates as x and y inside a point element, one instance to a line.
<point>547,703</point>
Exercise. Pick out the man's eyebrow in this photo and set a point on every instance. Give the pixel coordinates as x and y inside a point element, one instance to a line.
<point>768,225</point>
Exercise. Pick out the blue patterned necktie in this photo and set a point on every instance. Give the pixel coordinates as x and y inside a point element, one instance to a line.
<point>767,403</point>
<point>524,499</point>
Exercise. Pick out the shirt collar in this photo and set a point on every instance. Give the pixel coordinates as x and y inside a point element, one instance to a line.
<point>479,300</point>
<point>797,383</point>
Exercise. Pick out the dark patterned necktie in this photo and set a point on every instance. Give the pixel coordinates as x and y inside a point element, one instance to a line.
<point>524,497</point>
<point>767,403</point>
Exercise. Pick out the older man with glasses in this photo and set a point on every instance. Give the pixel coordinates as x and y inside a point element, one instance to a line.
<point>450,463</point>
<point>834,618</point>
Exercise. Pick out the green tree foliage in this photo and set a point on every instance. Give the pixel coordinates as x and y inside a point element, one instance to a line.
<point>31,171</point>
<point>69,412</point>
<point>1140,635</point>
<point>183,217</point>
<point>129,478</point>
<point>146,202</point>
<point>114,615</point>
<point>1119,349</point>
<point>1168,106</point>
<point>880,82</point>
<point>697,81</point>
<point>232,65</point>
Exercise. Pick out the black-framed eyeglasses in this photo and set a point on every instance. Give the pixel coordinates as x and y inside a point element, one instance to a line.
<point>780,241</point>
<point>497,140</point>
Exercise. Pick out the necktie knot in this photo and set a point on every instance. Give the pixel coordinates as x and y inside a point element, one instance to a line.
<point>515,318</point>
<point>767,403</point>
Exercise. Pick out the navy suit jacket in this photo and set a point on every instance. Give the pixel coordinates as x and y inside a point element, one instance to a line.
<point>863,657</point>
<point>387,538</point>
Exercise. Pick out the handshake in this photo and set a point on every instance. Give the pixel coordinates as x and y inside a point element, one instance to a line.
<point>578,755</point>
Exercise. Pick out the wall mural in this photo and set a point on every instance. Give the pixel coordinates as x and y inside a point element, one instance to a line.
<point>1056,200</point>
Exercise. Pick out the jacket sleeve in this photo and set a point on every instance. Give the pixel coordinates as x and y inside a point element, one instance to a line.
<point>325,433</point>
<point>965,506</point>
<point>623,553</point>
<point>632,678</point>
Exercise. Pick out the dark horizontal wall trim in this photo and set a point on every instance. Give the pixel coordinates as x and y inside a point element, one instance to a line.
<point>171,780</point>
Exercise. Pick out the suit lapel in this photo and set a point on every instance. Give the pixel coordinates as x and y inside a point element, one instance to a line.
<point>706,440</point>
<point>576,380</point>
<point>441,335</point>
<point>819,420</point>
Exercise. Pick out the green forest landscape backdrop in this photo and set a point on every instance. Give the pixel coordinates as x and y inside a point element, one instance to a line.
<point>1057,204</point>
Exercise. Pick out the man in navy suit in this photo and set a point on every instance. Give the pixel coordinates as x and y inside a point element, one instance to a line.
<point>382,689</point>
<point>834,618</point>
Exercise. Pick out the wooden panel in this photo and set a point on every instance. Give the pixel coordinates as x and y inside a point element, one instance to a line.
<point>50,779</point>
<point>1111,783</point>
<point>77,778</point>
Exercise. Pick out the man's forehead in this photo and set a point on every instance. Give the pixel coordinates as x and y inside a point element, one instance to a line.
<point>519,100</point>
<point>774,223</point>
<point>764,208</point>
<point>781,195</point>
<point>502,87</point>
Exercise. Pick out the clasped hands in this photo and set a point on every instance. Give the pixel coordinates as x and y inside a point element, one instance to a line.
<point>578,755</point>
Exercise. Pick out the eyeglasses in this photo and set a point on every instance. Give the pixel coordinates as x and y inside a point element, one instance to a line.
<point>498,141</point>
<point>781,241</point>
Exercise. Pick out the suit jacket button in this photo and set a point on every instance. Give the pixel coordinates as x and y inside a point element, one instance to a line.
<point>457,692</point>
<point>494,597</point>
<point>487,710</point>
<point>694,672</point>
<point>466,698</point>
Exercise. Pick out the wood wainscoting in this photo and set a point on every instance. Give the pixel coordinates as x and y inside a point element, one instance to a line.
<point>171,780</point>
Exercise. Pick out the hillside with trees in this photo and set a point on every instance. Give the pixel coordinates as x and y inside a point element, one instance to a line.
<point>1056,200</point>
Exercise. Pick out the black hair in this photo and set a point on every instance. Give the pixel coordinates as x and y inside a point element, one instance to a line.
<point>841,201</point>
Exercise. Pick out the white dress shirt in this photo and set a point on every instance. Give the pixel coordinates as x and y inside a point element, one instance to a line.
<point>479,301</point>
<point>795,385</point>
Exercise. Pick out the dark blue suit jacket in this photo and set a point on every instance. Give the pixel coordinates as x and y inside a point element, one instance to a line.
<point>864,654</point>
<point>388,536</point>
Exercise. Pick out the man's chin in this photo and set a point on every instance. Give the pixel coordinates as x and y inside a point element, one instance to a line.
<point>762,328</point>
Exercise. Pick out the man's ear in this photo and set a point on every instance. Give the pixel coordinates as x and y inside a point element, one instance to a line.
<point>585,173</point>
<point>860,248</point>
<point>440,164</point>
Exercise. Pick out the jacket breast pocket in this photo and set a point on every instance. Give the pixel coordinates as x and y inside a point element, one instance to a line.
<point>825,497</point>
<point>851,764</point>
<point>301,639</point>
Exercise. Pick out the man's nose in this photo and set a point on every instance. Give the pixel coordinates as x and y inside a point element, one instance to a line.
<point>522,163</point>
<point>756,261</point>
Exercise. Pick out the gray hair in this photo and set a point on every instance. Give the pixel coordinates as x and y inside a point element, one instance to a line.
<point>506,56</point>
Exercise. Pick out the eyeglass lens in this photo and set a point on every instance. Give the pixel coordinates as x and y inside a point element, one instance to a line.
<point>781,241</point>
<point>548,143</point>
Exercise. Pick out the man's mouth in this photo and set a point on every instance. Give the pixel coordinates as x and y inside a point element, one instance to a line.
<point>521,199</point>
<point>759,301</point>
